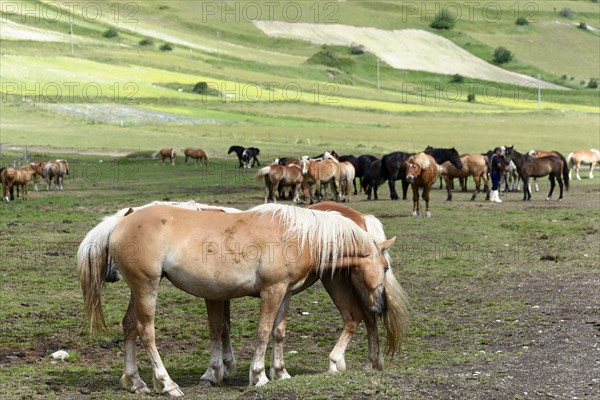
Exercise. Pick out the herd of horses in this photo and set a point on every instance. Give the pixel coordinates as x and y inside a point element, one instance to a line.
<point>419,171</point>
<point>51,171</point>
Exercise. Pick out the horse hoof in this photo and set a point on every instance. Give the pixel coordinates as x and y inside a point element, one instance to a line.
<point>415,214</point>
<point>428,214</point>
<point>548,198</point>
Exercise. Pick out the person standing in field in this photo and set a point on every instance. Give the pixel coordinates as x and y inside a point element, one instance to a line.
<point>497,166</point>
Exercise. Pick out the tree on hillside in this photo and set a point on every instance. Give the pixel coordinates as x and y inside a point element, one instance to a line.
<point>502,55</point>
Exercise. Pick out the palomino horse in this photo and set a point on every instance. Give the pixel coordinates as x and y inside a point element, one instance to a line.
<point>577,158</point>
<point>340,287</point>
<point>276,249</point>
<point>321,172</point>
<point>421,171</point>
<point>279,176</point>
<point>537,167</point>
<point>16,177</point>
<point>472,165</point>
<point>347,173</point>
<point>167,152</point>
<point>55,169</point>
<point>196,154</point>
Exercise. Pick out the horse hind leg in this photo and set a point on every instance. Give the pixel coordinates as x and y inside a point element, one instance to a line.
<point>552,185</point>
<point>216,369</point>
<point>278,370</point>
<point>130,379</point>
<point>592,167</point>
<point>145,307</point>
<point>577,171</point>
<point>228,357</point>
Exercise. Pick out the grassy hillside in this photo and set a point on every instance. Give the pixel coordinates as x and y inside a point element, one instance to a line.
<point>264,87</point>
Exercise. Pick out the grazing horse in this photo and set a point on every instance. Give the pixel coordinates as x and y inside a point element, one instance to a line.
<point>15,177</point>
<point>55,169</point>
<point>278,176</point>
<point>393,168</point>
<point>537,167</point>
<point>277,248</point>
<point>196,154</point>
<point>320,172</point>
<point>167,152</point>
<point>421,171</point>
<point>347,174</point>
<point>473,165</point>
<point>576,158</point>
<point>12,190</point>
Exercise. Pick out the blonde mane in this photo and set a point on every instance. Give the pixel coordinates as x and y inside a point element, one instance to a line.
<point>322,229</point>
<point>188,205</point>
<point>423,160</point>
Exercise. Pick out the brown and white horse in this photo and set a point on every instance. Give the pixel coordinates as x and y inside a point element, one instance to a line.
<point>167,152</point>
<point>278,176</point>
<point>576,158</point>
<point>422,171</point>
<point>56,169</point>
<point>275,249</point>
<point>196,154</point>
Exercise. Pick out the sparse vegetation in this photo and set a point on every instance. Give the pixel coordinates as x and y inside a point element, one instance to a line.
<point>522,21</point>
<point>592,84</point>
<point>443,21</point>
<point>471,98</point>
<point>146,42</point>
<point>110,33</point>
<point>329,57</point>
<point>566,12</point>
<point>457,78</point>
<point>583,26</point>
<point>502,55</point>
<point>166,47</point>
<point>357,49</point>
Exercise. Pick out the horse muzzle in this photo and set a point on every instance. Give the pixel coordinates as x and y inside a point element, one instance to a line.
<point>379,301</point>
<point>410,178</point>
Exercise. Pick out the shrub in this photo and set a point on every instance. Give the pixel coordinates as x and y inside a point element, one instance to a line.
<point>166,47</point>
<point>457,78</point>
<point>502,55</point>
<point>563,77</point>
<point>110,33</point>
<point>582,25</point>
<point>471,98</point>
<point>330,58</point>
<point>443,21</point>
<point>146,42</point>
<point>200,88</point>
<point>592,84</point>
<point>357,49</point>
<point>521,21</point>
<point>566,12</point>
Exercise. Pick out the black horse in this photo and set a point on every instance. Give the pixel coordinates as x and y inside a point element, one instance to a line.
<point>245,154</point>
<point>392,169</point>
<point>372,179</point>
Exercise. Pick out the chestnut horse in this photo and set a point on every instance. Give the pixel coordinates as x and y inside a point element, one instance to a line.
<point>576,158</point>
<point>321,172</point>
<point>473,165</point>
<point>536,167</point>
<point>276,249</point>
<point>421,171</point>
<point>196,154</point>
<point>167,152</point>
<point>279,176</point>
<point>16,177</point>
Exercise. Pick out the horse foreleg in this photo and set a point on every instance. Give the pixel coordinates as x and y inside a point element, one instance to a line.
<point>577,166</point>
<point>216,369</point>
<point>392,185</point>
<point>560,186</point>
<point>130,379</point>
<point>426,191</point>
<point>278,370</point>
<point>592,167</point>
<point>415,191</point>
<point>271,298</point>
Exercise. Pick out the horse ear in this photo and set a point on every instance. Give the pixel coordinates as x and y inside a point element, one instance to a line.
<point>387,244</point>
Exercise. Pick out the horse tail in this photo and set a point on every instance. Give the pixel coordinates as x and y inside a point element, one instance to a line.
<point>395,315</point>
<point>173,153</point>
<point>92,268</point>
<point>565,169</point>
<point>262,172</point>
<point>205,158</point>
<point>570,160</point>
<point>155,155</point>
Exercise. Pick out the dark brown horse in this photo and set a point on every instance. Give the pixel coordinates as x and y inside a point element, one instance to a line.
<point>553,166</point>
<point>196,154</point>
<point>421,171</point>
